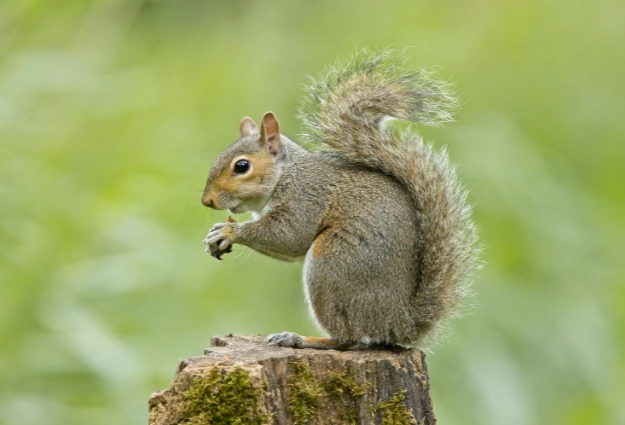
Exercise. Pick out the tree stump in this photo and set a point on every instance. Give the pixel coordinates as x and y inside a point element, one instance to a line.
<point>243,380</point>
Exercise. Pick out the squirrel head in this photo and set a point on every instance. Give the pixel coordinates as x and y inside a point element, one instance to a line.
<point>243,177</point>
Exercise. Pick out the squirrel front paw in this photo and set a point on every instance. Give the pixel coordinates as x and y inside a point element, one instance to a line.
<point>220,238</point>
<point>286,339</point>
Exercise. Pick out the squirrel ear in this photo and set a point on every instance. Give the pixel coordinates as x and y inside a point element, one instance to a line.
<point>247,127</point>
<point>270,133</point>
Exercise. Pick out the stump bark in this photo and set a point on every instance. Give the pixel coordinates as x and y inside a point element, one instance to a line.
<point>243,380</point>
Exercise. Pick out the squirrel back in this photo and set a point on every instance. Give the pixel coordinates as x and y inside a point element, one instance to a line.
<point>347,112</point>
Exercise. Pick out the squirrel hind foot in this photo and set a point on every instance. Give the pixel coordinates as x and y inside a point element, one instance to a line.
<point>286,339</point>
<point>293,340</point>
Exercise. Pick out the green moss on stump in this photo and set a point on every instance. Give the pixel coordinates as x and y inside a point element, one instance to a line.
<point>228,397</point>
<point>308,393</point>
<point>344,382</point>
<point>394,411</point>
<point>222,397</point>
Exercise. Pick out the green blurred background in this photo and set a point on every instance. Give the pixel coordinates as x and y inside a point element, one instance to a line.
<point>112,111</point>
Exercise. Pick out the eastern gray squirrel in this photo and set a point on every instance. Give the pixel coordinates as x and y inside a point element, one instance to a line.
<point>377,215</point>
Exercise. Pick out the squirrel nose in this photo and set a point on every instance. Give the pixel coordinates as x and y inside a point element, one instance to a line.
<point>208,202</point>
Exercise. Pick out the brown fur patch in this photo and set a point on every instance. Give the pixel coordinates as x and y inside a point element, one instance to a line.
<point>319,246</point>
<point>229,231</point>
<point>317,341</point>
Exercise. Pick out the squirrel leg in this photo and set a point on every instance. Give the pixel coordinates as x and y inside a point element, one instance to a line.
<point>270,235</point>
<point>291,339</point>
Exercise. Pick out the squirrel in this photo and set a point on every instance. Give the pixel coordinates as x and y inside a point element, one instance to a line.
<point>377,215</point>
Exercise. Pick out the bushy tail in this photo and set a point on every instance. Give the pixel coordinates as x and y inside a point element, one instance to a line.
<point>346,111</point>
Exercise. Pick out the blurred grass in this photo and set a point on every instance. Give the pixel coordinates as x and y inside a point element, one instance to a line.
<point>110,115</point>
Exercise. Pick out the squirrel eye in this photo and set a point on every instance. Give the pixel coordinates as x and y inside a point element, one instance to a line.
<point>242,166</point>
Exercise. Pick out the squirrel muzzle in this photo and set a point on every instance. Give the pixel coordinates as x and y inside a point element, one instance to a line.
<point>208,202</point>
<point>219,200</point>
<point>210,199</point>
